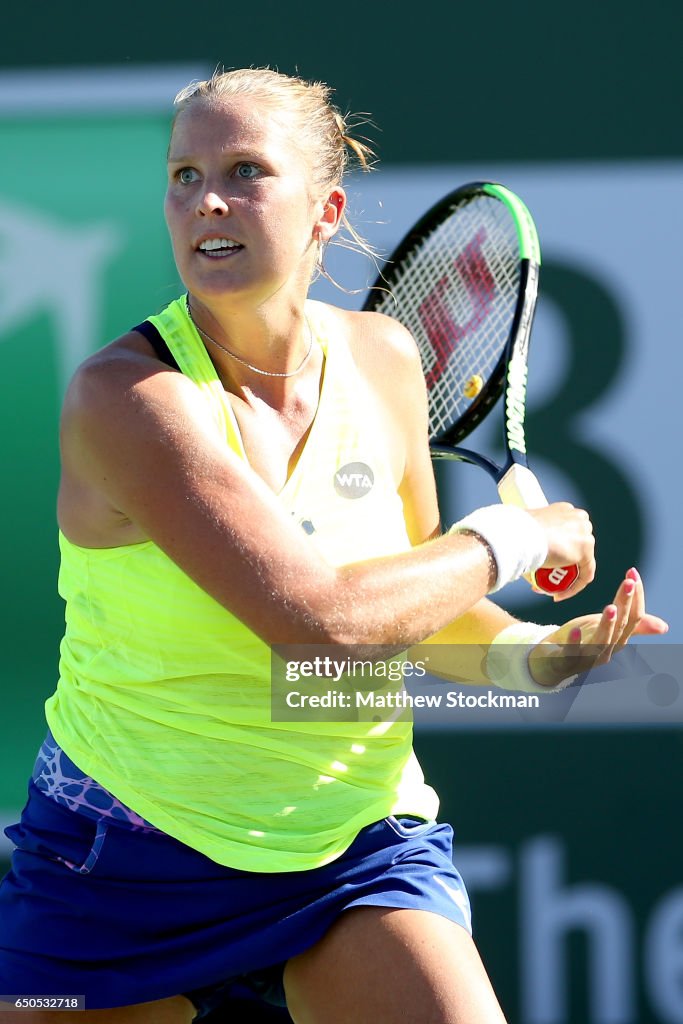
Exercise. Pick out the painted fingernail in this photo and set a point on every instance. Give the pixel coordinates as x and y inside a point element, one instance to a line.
<point>633,574</point>
<point>611,612</point>
<point>575,636</point>
<point>629,587</point>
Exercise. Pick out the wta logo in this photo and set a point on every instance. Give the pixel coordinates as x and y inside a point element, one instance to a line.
<point>353,480</point>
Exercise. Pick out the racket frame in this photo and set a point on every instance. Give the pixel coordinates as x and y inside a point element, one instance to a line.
<point>516,483</point>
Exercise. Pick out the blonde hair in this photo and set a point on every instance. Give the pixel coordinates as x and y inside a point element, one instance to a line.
<point>321,129</point>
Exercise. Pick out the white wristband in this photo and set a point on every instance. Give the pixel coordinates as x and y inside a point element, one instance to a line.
<point>518,543</point>
<point>507,661</point>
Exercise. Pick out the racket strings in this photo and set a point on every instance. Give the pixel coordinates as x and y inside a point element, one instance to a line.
<point>456,291</point>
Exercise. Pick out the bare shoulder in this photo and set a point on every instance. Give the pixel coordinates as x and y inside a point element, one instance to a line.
<point>379,330</point>
<point>379,344</point>
<point>111,372</point>
<point>123,412</point>
<point>124,398</point>
<point>118,381</point>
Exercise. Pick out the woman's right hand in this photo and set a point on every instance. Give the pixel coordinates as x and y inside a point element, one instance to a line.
<point>569,533</point>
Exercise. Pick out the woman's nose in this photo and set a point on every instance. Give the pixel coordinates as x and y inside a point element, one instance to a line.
<point>212,203</point>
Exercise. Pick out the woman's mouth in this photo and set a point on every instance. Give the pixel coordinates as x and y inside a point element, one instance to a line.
<point>216,248</point>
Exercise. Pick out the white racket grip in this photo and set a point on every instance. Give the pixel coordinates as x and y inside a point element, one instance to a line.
<point>520,487</point>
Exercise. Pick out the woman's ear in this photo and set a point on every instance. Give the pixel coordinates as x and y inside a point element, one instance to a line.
<point>330,219</point>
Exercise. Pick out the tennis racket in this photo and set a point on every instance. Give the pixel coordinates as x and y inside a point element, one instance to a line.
<point>464,281</point>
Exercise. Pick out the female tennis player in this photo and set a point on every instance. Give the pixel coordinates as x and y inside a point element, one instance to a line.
<point>250,468</point>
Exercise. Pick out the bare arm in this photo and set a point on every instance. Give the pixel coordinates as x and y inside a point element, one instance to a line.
<point>145,441</point>
<point>458,650</point>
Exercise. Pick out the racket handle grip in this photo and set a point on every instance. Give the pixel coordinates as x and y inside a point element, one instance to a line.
<point>520,487</point>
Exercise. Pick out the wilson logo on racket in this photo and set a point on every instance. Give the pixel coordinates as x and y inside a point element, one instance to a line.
<point>354,480</point>
<point>514,405</point>
<point>443,331</point>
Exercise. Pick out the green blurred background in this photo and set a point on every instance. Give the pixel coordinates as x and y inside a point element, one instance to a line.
<point>571,838</point>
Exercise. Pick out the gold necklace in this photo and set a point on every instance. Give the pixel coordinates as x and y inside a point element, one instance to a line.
<point>233,355</point>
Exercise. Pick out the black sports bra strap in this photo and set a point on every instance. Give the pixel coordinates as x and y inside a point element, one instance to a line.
<point>152,335</point>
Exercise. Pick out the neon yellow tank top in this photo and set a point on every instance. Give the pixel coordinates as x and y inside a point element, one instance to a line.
<point>164,695</point>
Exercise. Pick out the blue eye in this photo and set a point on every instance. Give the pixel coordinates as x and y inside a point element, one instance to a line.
<point>248,171</point>
<point>186,175</point>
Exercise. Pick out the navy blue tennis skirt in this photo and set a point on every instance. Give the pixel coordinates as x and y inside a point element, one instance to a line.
<point>94,909</point>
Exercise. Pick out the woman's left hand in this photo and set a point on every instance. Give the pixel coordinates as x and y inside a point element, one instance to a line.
<point>591,640</point>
